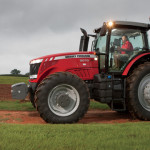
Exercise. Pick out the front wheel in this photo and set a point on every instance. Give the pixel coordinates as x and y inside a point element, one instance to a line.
<point>139,92</point>
<point>62,98</point>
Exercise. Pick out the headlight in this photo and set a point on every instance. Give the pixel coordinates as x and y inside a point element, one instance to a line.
<point>95,58</point>
<point>36,61</point>
<point>33,76</point>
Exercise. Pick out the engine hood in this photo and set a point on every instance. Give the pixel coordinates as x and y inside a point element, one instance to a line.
<point>69,54</point>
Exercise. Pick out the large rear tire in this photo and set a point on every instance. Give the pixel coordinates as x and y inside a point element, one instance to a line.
<point>138,92</point>
<point>62,98</point>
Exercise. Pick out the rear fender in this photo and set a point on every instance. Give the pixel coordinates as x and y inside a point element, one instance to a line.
<point>135,60</point>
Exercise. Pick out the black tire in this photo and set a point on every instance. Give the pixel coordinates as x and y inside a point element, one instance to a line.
<point>137,87</point>
<point>31,98</point>
<point>52,98</point>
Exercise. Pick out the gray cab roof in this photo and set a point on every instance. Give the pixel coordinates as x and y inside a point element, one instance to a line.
<point>134,24</point>
<point>127,23</point>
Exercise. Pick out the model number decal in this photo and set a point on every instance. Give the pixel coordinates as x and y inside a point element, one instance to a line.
<point>84,60</point>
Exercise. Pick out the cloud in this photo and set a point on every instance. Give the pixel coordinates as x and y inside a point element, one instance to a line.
<point>35,28</point>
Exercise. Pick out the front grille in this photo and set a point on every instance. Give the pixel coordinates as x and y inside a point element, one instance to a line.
<point>34,68</point>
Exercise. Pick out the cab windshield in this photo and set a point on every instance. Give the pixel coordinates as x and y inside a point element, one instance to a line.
<point>99,44</point>
<point>148,34</point>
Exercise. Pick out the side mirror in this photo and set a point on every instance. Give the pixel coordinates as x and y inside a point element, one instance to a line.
<point>103,30</point>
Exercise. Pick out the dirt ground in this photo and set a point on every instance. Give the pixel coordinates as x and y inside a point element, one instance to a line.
<point>26,117</point>
<point>92,116</point>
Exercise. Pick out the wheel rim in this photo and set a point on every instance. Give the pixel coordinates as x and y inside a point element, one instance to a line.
<point>144,92</point>
<point>63,100</point>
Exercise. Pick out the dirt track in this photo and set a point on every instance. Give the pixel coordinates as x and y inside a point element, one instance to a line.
<point>93,116</point>
<point>22,117</point>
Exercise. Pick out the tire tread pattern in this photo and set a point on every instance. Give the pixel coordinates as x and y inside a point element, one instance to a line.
<point>133,104</point>
<point>61,78</point>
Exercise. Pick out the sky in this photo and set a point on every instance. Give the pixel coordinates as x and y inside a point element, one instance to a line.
<point>34,28</point>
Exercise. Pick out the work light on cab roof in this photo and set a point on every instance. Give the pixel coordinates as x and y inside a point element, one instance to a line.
<point>110,23</point>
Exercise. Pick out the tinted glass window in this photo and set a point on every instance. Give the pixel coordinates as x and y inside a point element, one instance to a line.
<point>101,44</point>
<point>148,34</point>
<point>122,51</point>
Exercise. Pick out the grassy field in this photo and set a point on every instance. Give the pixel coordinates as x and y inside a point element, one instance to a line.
<point>131,136</point>
<point>12,80</point>
<point>27,106</point>
<point>16,105</point>
<point>128,136</point>
<point>97,105</point>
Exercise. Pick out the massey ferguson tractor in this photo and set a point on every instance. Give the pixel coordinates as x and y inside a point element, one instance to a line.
<point>61,85</point>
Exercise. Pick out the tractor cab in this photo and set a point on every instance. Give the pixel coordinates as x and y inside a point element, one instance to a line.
<point>117,43</point>
<point>121,47</point>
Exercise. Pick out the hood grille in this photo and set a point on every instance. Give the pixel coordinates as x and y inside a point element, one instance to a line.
<point>34,68</point>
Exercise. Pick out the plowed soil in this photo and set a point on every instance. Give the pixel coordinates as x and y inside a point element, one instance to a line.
<point>92,116</point>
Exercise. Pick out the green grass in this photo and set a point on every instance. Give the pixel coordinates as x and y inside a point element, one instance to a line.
<point>97,105</point>
<point>16,105</point>
<point>27,106</point>
<point>128,136</point>
<point>12,79</point>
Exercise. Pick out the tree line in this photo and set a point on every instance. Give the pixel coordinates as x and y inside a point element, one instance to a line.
<point>17,72</point>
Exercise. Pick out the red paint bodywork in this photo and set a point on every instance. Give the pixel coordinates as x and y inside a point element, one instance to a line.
<point>85,68</point>
<point>125,72</point>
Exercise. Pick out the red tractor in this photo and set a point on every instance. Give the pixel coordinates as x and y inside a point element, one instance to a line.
<point>61,85</point>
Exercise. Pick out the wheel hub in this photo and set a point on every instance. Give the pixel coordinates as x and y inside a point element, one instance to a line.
<point>147,92</point>
<point>63,100</point>
<point>144,92</point>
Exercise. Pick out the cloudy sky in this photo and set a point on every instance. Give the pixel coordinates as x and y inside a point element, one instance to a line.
<point>33,28</point>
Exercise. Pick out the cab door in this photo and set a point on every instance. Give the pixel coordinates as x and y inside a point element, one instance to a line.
<point>101,51</point>
<point>137,40</point>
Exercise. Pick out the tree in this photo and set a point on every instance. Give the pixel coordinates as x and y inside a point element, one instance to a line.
<point>15,72</point>
<point>27,74</point>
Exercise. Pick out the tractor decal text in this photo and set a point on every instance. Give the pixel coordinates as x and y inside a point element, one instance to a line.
<point>75,56</point>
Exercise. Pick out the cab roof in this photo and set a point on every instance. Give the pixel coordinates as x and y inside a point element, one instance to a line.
<point>133,24</point>
<point>128,24</point>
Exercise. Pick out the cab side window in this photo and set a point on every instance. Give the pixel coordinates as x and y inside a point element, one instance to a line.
<point>137,42</point>
<point>148,34</point>
<point>124,45</point>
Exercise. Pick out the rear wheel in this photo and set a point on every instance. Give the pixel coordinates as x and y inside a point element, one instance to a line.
<point>139,92</point>
<point>62,98</point>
